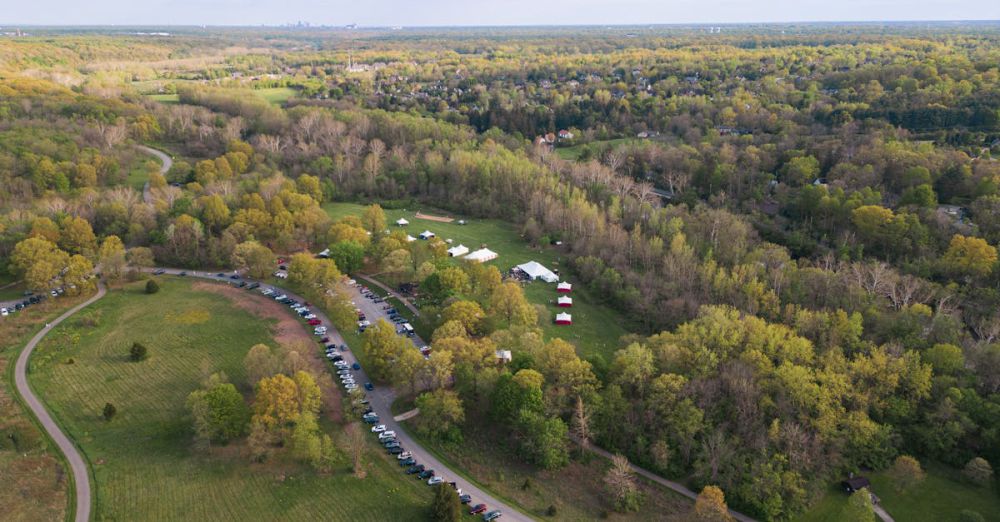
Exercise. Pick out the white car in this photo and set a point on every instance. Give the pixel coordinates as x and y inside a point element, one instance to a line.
<point>319,330</point>
<point>349,382</point>
<point>404,455</point>
<point>378,428</point>
<point>435,480</point>
<point>309,316</point>
<point>386,435</point>
<point>351,386</point>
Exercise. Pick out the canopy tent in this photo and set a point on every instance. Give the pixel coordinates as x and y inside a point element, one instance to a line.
<point>564,318</point>
<point>535,270</point>
<point>564,287</point>
<point>402,222</point>
<point>410,238</point>
<point>457,251</point>
<point>564,301</point>
<point>482,255</point>
<point>426,234</point>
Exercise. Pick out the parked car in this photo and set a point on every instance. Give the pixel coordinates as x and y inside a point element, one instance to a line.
<point>426,474</point>
<point>386,434</point>
<point>378,429</point>
<point>369,386</point>
<point>315,322</point>
<point>477,509</point>
<point>492,515</point>
<point>409,461</point>
<point>434,480</point>
<point>395,450</point>
<point>419,468</point>
<point>465,499</point>
<point>351,386</point>
<point>356,366</point>
<point>393,443</point>
<point>234,277</point>
<point>344,348</point>
<point>220,274</point>
<point>404,455</point>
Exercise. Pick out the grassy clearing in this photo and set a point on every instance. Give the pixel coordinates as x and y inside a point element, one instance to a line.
<point>940,497</point>
<point>165,98</point>
<point>596,327</point>
<point>11,289</point>
<point>489,459</point>
<point>573,153</point>
<point>143,463</point>
<point>276,95</point>
<point>36,483</point>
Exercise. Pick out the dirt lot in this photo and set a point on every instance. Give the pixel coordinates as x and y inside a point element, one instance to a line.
<point>288,331</point>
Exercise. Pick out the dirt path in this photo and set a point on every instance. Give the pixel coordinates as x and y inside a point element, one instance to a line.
<point>81,478</point>
<point>165,163</point>
<point>429,217</point>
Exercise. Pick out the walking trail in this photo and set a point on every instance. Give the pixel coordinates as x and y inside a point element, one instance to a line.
<point>165,163</point>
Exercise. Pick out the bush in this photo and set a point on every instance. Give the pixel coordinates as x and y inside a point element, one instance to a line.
<point>109,411</point>
<point>152,287</point>
<point>552,511</point>
<point>134,275</point>
<point>138,352</point>
<point>968,515</point>
<point>978,471</point>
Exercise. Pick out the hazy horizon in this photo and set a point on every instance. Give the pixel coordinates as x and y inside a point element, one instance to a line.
<point>457,13</point>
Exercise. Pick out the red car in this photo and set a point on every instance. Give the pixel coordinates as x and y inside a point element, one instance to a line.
<point>315,322</point>
<point>477,509</point>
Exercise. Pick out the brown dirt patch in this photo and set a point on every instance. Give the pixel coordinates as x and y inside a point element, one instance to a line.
<point>287,331</point>
<point>431,217</point>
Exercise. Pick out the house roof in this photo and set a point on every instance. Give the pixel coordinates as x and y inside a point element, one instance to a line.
<point>856,483</point>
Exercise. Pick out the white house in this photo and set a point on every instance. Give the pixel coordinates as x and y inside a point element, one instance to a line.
<point>402,222</point>
<point>457,251</point>
<point>482,255</point>
<point>535,270</point>
<point>426,234</point>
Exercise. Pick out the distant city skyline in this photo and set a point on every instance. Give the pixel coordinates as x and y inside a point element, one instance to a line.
<point>414,13</point>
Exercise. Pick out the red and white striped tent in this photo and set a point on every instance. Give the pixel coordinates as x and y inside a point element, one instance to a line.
<point>564,318</point>
<point>564,301</point>
<point>564,287</point>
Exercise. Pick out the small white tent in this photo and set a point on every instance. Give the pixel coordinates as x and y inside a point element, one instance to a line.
<point>402,222</point>
<point>482,255</point>
<point>410,238</point>
<point>564,301</point>
<point>457,251</point>
<point>535,270</point>
<point>564,287</point>
<point>426,234</point>
<point>564,318</point>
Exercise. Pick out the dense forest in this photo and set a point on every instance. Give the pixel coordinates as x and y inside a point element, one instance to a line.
<point>802,224</point>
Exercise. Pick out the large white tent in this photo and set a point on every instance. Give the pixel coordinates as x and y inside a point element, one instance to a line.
<point>457,251</point>
<point>535,270</point>
<point>482,255</point>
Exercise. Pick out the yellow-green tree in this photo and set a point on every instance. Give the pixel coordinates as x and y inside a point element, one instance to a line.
<point>509,305</point>
<point>78,237</point>
<point>969,256</point>
<point>253,257</point>
<point>40,262</point>
<point>112,258</point>
<point>710,506</point>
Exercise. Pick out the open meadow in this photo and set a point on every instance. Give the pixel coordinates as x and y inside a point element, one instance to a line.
<point>596,328</point>
<point>143,461</point>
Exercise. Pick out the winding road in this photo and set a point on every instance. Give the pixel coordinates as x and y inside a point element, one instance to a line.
<point>165,163</point>
<point>78,466</point>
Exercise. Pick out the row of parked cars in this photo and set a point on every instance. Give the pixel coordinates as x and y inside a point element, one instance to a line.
<point>30,298</point>
<point>406,459</point>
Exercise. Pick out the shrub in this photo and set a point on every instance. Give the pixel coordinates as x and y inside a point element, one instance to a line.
<point>978,471</point>
<point>109,411</point>
<point>968,515</point>
<point>138,352</point>
<point>552,511</point>
<point>152,287</point>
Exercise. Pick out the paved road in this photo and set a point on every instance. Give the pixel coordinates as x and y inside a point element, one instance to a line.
<point>382,397</point>
<point>392,293</point>
<point>882,513</point>
<point>165,163</point>
<point>78,466</point>
<point>664,482</point>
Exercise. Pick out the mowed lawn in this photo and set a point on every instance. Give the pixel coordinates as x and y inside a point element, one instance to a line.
<point>596,328</point>
<point>939,498</point>
<point>143,461</point>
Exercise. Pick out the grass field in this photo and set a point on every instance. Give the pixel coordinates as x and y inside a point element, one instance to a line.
<point>276,95</point>
<point>596,328</point>
<point>577,491</point>
<point>939,498</point>
<point>165,98</point>
<point>11,288</point>
<point>35,485</point>
<point>142,461</point>
<point>574,152</point>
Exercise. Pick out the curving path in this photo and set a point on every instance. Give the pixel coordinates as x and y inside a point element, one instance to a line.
<point>78,466</point>
<point>165,163</point>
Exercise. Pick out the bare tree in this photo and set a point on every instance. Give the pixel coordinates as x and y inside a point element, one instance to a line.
<point>620,482</point>
<point>581,423</point>
<point>356,447</point>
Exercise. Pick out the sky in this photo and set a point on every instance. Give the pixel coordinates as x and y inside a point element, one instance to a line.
<point>411,13</point>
